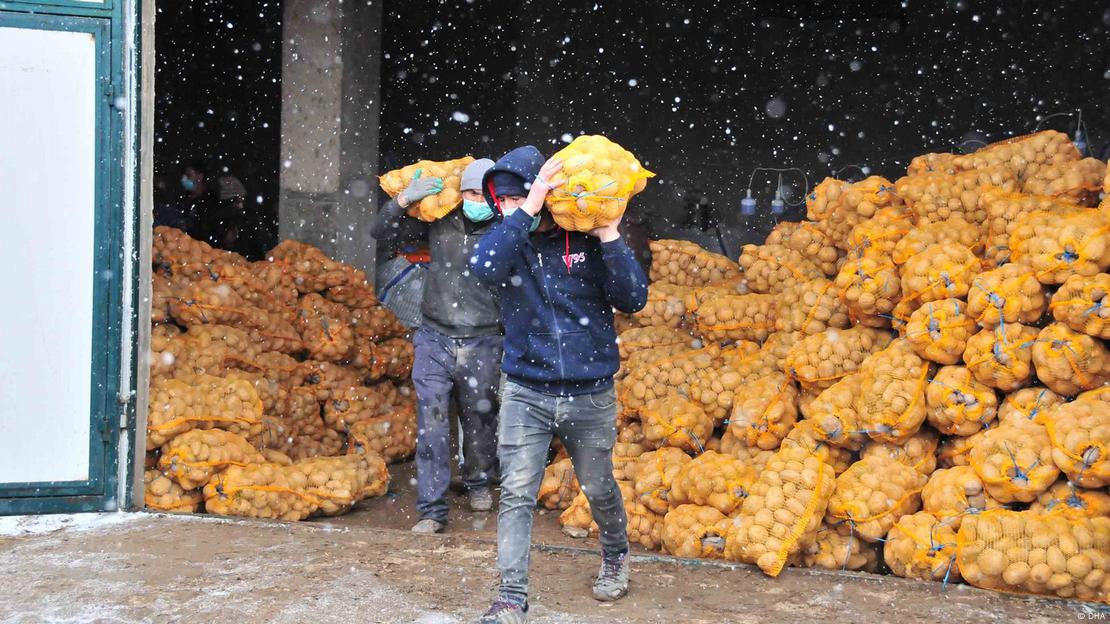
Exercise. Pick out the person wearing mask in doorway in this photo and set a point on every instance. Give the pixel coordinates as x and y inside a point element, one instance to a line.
<point>558,291</point>
<point>457,349</point>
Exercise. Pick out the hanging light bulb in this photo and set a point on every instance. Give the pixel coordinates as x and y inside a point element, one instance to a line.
<point>747,205</point>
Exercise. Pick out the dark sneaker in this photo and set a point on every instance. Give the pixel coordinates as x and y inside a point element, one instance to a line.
<point>505,612</point>
<point>428,526</point>
<point>612,579</point>
<point>481,499</point>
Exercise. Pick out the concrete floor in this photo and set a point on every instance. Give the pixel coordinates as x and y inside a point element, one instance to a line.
<point>360,568</point>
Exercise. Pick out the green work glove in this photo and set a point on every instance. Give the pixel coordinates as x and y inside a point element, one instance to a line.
<point>419,188</point>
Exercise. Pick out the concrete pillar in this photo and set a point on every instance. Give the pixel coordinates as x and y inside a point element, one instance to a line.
<point>329,126</point>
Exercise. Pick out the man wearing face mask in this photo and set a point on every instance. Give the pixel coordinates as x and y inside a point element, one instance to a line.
<point>458,348</point>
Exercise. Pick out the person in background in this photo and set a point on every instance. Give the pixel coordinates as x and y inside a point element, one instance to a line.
<point>226,224</point>
<point>558,291</point>
<point>457,348</point>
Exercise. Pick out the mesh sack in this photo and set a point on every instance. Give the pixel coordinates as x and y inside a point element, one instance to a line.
<point>871,495</point>
<point>374,361</point>
<point>1080,435</point>
<point>207,302</point>
<point>200,402</point>
<point>953,230</point>
<point>194,456</point>
<point>695,531</point>
<point>879,235</point>
<point>937,197</point>
<point>749,456</point>
<point>805,238</point>
<point>772,268</point>
<point>953,493</point>
<point>870,288</point>
<point>274,434</point>
<point>1026,552</point>
<point>836,207</point>
<point>280,367</point>
<point>1024,155</point>
<point>1002,357</point>
<point>714,479</point>
<point>956,404</point>
<point>1015,462</point>
<point>339,482</point>
<point>1027,404</point>
<point>834,414</point>
<point>1069,362</point>
<point>833,551</point>
<point>627,449</point>
<point>165,345</point>
<point>645,358</point>
<point>653,475</point>
<point>892,393</point>
<point>1083,304</point>
<point>645,527</point>
<point>737,317</point>
<point>171,246</point>
<point>716,387</point>
<point>933,163</point>
<point>435,206</point>
<point>1079,181</point>
<point>765,412</point>
<point>686,264</point>
<point>354,296</point>
<point>327,380</point>
<point>161,493</point>
<point>212,350</point>
<point>325,328</point>
<point>300,411</point>
<point>328,444</point>
<point>778,345</point>
<point>1004,211</point>
<point>358,403</point>
<point>675,421</point>
<point>641,338</point>
<point>376,324</point>
<point>601,177</point>
<point>918,452</point>
<point>1064,497</point>
<point>269,390</point>
<point>783,510</point>
<point>660,378</point>
<point>942,271</point>
<point>559,485</point>
<point>257,491</point>
<point>392,436</point>
<point>956,450</point>
<point>1057,246</point>
<point>810,308</point>
<point>939,330</point>
<point>311,269</point>
<point>1010,293</point>
<point>818,361</point>
<point>919,546</point>
<point>665,307</point>
<point>162,292</point>
<point>696,296</point>
<point>275,333</point>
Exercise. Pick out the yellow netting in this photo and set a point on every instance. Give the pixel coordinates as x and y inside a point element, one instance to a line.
<point>695,531</point>
<point>647,357</point>
<point>955,451</point>
<point>879,235</point>
<point>1015,462</point>
<point>695,296</point>
<point>662,377</point>
<point>1024,155</point>
<point>933,163</point>
<point>392,436</point>
<point>171,246</point>
<point>200,402</point>
<point>1079,181</point>
<point>953,493</point>
<point>677,422</point>
<point>1057,246</point>
<point>942,271</point>
<point>311,269</point>
<point>810,308</point>
<point>714,479</point>
<point>392,358</point>
<point>921,547</point>
<point>686,264</point>
<point>325,328</point>
<point>952,230</point>
<point>1002,357</point>
<point>1066,498</point>
<point>835,416</point>
<point>357,403</point>
<point>601,177</point>
<point>162,494</point>
<point>1083,303</point>
<point>870,288</point>
<point>206,349</point>
<point>641,338</point>
<point>836,207</point>
<point>194,456</point>
<point>737,317</point>
<point>434,206</point>
<point>645,527</point>
<point>665,307</point>
<point>939,330</point>
<point>559,485</point>
<point>957,404</point>
<point>765,412</point>
<point>871,495</point>
<point>378,323</point>
<point>818,361</point>
<point>353,296</point>
<point>1008,294</point>
<point>628,448</point>
<point>918,452</point>
<point>653,475</point>
<point>327,380</point>
<point>811,242</point>
<point>754,458</point>
<point>1027,404</point>
<point>328,444</point>
<point>1080,435</point>
<point>772,268</point>
<point>1069,362</point>
<point>833,551</point>
<point>892,393</point>
<point>937,197</point>
<point>1004,211</point>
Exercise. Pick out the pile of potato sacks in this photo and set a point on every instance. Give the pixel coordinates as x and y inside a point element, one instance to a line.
<point>910,382</point>
<point>278,388</point>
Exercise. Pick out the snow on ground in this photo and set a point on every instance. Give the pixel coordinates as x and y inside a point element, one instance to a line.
<point>18,526</point>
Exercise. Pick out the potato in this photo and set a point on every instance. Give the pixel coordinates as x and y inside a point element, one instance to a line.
<point>640,338</point>
<point>870,289</point>
<point>645,527</point>
<point>177,406</point>
<point>1015,462</point>
<point>953,493</point>
<point>917,452</point>
<point>766,412</point>
<point>833,551</point>
<point>1083,304</point>
<point>1080,436</point>
<point>1079,180</point>
<point>957,404</point>
<point>1002,358</point>
<point>194,456</point>
<point>1027,404</point>
<point>160,493</point>
<point>714,479</point>
<point>935,197</point>
<point>834,413</point>
<point>1065,497</point>
<point>942,271</point>
<point>773,268</point>
<point>1069,362</point>
<point>1058,246</point>
<point>675,421</point>
<point>922,547</point>
<point>811,307</point>
<point>878,235</point>
<point>1010,294</point>
<point>559,485</point>
<point>818,361</point>
<point>1004,210</point>
<point>311,269</point>
<point>435,206</point>
<point>939,330</point>
<point>952,230</point>
<point>892,393</point>
<point>391,436</point>
<point>836,207</point>
<point>738,317</point>
<point>871,495</point>
<point>807,239</point>
<point>695,531</point>
<point>686,264</point>
<point>653,474</point>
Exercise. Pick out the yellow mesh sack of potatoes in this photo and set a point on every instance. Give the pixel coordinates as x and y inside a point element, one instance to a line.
<point>918,452</point>
<point>939,330</point>
<point>783,510</point>
<point>559,485</point>
<point>645,527</point>
<point>391,358</point>
<point>955,451</point>
<point>836,206</point>
<point>392,436</point>
<point>653,475</point>
<point>377,323</point>
<point>714,479</point>
<point>662,377</point>
<point>162,494</point>
<point>1079,181</point>
<point>879,235</point>
<point>328,444</point>
<point>1024,155</point>
<point>207,302</point>
<point>665,307</point>
<point>357,403</point>
<point>805,238</point>
<point>695,531</point>
<point>933,163</point>
<point>640,338</point>
<point>957,404</point>
<point>1069,362</point>
<point>1004,210</point>
<point>209,349</point>
<point>737,317</point>
<point>325,328</point>
<point>601,177</point>
<point>171,246</point>
<point>870,288</point>
<point>818,361</point>
<point>835,416</point>
<point>311,269</point>
<point>765,412</point>
<point>953,493</point>
<point>716,386</point>
<point>919,546</point>
<point>1064,497</point>
<point>354,296</point>
<point>752,457</point>
<point>811,307</point>
<point>200,402</point>
<point>772,268</point>
<point>1031,553</point>
<point>1002,357</point>
<point>675,421</point>
<point>892,393</point>
<point>299,410</point>
<point>686,264</point>
<point>1080,435</point>
<point>1010,293</point>
<point>937,197</point>
<point>1058,246</point>
<point>1015,462</point>
<point>833,551</point>
<point>257,491</point>
<point>954,230</point>
<point>337,483</point>
<point>329,380</point>
<point>1027,404</point>
<point>871,495</point>
<point>627,449</point>
<point>697,295</point>
<point>1083,304</point>
<point>942,271</point>
<point>194,456</point>
<point>645,358</point>
<point>434,206</point>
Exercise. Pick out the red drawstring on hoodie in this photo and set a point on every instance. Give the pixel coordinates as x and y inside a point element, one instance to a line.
<point>566,255</point>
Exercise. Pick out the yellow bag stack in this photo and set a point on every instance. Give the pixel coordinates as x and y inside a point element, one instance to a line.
<point>1080,436</point>
<point>737,317</point>
<point>559,485</point>
<point>666,306</point>
<point>937,197</point>
<point>653,474</point>
<point>892,393</point>
<point>810,308</point>
<point>1083,304</point>
<point>953,493</point>
<point>194,456</point>
<point>956,451</point>
<point>391,436</point>
<point>1027,404</point>
<point>879,235</point>
<point>773,268</point>
<point>1004,210</point>
<point>601,177</point>
<point>162,494</point>
<point>834,414</point>
<point>939,330</point>
<point>685,264</point>
<point>871,495</point>
<point>1069,362</point>
<point>435,206</point>
<point>957,404</point>
<point>640,338</point>
<point>918,452</point>
<point>919,546</point>
<point>645,527</point>
<point>836,206</point>
<point>200,402</point>
<point>1023,155</point>
<point>675,421</point>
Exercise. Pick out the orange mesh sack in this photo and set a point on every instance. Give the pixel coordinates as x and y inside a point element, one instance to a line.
<point>939,330</point>
<point>1069,362</point>
<point>640,338</point>
<point>942,271</point>
<point>162,494</point>
<point>919,546</point>
<point>765,412</point>
<point>716,387</point>
<point>212,350</point>
<point>661,377</point>
<point>358,403</point>
<point>871,495</point>
<point>1024,155</point>
<point>200,402</point>
<point>957,404</point>
<point>327,380</point>
<point>1002,357</point>
<point>808,240</point>
<point>325,328</point>
<point>1079,181</point>
<point>879,235</point>
<point>1008,294</point>
<point>677,422</point>
<point>695,531</point>
<point>833,551</point>
<point>952,230</point>
<point>783,510</point>
<point>653,475</point>
<point>666,305</point>
<point>956,451</point>
<point>337,483</point>
<point>257,491</point>
<point>208,302</point>
<point>1027,404</point>
<point>818,361</point>
<point>939,196</point>
<point>627,449</point>
<point>686,264</point>
<point>645,358</point>
<point>645,527</point>
<point>392,436</point>
<point>1004,211</point>
<point>559,485</point>
<point>918,452</point>
<point>933,163</point>
<point>772,268</point>
<point>1031,553</point>
<point>837,206</point>
<point>714,479</point>
<point>377,323</point>
<point>810,308</point>
<point>749,456</point>
<point>697,295</point>
<point>435,206</point>
<point>892,393</point>
<point>194,456</point>
<point>311,269</point>
<point>1058,246</point>
<point>1066,498</point>
<point>953,493</point>
<point>329,444</point>
<point>1080,435</point>
<point>739,317</point>
<point>354,296</point>
<point>1015,462</point>
<point>870,288</point>
<point>834,414</point>
<point>1083,304</point>
<point>601,177</point>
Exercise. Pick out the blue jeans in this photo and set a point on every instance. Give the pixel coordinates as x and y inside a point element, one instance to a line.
<point>468,370</point>
<point>587,426</point>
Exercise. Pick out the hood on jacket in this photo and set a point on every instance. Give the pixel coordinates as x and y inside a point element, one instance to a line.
<point>524,161</point>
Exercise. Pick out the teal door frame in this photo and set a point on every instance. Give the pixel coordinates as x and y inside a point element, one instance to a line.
<point>111,406</point>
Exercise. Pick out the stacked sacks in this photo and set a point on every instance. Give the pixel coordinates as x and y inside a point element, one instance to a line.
<point>818,361</point>
<point>1077,181</point>
<point>739,317</point>
<point>942,271</point>
<point>953,493</point>
<point>713,479</point>
<point>835,551</point>
<point>666,306</point>
<point>879,235</point>
<point>639,338</point>
<point>163,494</point>
<point>1004,211</point>
<point>1080,436</point>
<point>1002,357</point>
<point>435,206</point>
<point>835,414</point>
<point>1023,155</point>
<point>1069,362</point>
<point>685,264</point>
<point>193,457</point>
<point>810,307</point>
<point>870,288</point>
<point>922,547</point>
<point>601,177</point>
<point>1083,304</point>
<point>654,474</point>
<point>645,527</point>
<point>1066,498</point>
<point>836,207</point>
<point>1027,404</point>
<point>559,485</point>
<point>765,412</point>
<point>809,241</point>
<point>773,268</point>
<point>391,436</point>
<point>202,401</point>
<point>938,196</point>
<point>1058,246</point>
<point>939,330</point>
<point>918,452</point>
<point>952,230</point>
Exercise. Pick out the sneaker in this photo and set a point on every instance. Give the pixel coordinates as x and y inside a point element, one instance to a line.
<point>481,499</point>
<point>427,526</point>
<point>505,612</point>
<point>612,579</point>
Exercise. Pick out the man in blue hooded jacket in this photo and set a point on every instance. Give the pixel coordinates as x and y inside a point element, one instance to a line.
<point>558,290</point>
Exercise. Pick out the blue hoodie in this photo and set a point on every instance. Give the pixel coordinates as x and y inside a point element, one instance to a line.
<point>558,290</point>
